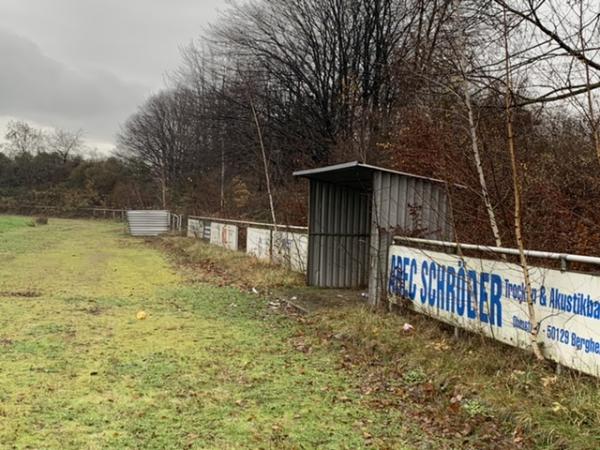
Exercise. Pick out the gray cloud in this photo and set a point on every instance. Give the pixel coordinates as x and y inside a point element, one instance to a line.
<point>33,85</point>
<point>88,64</point>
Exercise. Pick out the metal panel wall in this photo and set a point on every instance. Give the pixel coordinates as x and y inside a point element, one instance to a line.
<point>403,205</point>
<point>148,223</point>
<point>339,236</point>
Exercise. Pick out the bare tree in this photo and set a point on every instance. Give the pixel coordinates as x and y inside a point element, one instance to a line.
<point>590,111</point>
<point>518,219</point>
<point>465,66</point>
<point>561,37</point>
<point>65,143</point>
<point>334,59</point>
<point>23,138</point>
<point>159,135</point>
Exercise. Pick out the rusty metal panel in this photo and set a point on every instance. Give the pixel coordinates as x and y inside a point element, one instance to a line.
<point>148,223</point>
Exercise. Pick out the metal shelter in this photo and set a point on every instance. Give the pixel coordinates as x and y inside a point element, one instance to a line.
<point>355,210</point>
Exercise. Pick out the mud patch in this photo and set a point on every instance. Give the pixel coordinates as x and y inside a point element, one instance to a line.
<point>93,310</point>
<point>21,294</point>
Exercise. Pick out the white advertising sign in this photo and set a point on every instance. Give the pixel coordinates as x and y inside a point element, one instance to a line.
<point>224,235</point>
<point>291,249</point>
<point>195,228</point>
<point>488,296</point>
<point>258,243</point>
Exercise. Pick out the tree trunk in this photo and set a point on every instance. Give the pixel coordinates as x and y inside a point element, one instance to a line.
<point>592,118</point>
<point>463,62</point>
<point>477,157</point>
<point>508,104</point>
<point>265,163</point>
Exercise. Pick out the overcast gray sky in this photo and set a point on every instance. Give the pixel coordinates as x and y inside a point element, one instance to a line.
<point>88,63</point>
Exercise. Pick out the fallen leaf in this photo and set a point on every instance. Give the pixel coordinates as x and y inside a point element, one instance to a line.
<point>549,381</point>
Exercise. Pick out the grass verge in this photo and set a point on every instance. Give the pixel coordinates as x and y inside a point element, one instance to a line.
<point>465,392</point>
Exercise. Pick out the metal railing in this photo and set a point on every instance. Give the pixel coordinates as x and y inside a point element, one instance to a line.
<point>120,213</point>
<point>564,258</point>
<point>176,222</point>
<point>246,223</point>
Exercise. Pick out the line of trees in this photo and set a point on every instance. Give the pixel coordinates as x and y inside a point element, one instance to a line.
<point>417,85</point>
<point>425,86</point>
<point>42,168</point>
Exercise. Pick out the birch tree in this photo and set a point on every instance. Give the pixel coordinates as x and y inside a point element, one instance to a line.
<point>515,173</point>
<point>465,67</point>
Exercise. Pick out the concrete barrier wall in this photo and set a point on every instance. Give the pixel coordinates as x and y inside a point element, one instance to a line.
<point>281,247</point>
<point>224,235</point>
<point>290,250</point>
<point>258,243</point>
<point>195,228</point>
<point>285,247</point>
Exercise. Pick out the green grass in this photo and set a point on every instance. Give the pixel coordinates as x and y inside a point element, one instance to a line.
<point>209,368</point>
<point>469,392</point>
<point>10,223</point>
<point>499,393</point>
<point>208,263</point>
<point>216,366</point>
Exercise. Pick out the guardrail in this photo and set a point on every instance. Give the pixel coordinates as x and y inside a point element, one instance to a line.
<point>564,258</point>
<point>556,312</point>
<point>247,223</point>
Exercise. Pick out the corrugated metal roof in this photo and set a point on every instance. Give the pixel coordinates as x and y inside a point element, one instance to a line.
<point>354,174</point>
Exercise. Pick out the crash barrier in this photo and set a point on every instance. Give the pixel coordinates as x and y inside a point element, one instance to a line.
<point>489,296</point>
<point>285,245</point>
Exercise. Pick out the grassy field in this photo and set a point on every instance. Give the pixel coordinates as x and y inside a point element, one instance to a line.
<point>209,368</point>
<point>216,366</point>
<point>11,223</point>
